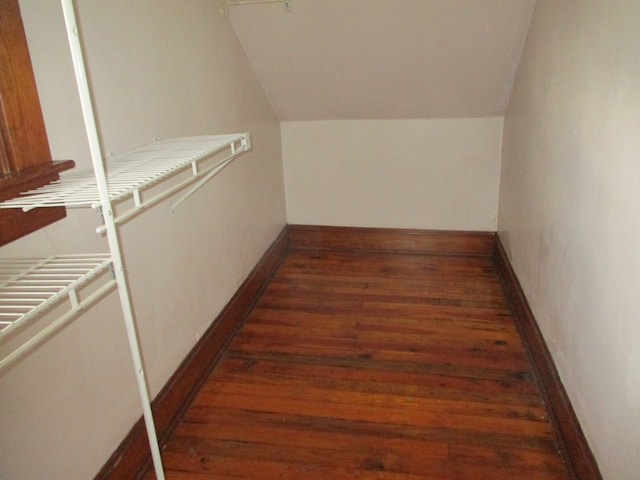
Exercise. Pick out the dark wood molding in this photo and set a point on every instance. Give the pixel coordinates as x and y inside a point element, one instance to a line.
<point>25,158</point>
<point>14,183</point>
<point>14,223</point>
<point>573,443</point>
<point>133,455</point>
<point>434,242</point>
<point>24,137</point>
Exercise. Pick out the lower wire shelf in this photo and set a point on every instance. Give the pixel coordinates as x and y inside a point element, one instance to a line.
<point>29,287</point>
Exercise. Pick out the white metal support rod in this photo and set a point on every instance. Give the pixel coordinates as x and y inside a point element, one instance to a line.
<point>112,234</point>
<point>214,171</point>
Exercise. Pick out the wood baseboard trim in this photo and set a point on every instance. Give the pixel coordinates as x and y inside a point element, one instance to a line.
<point>431,242</point>
<point>573,443</point>
<point>133,456</point>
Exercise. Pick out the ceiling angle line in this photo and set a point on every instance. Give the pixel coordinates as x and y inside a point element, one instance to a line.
<point>225,4</point>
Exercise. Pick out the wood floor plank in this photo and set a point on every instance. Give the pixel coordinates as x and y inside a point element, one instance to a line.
<point>446,320</point>
<point>327,348</point>
<point>401,382</point>
<point>356,365</point>
<point>299,429</point>
<point>400,412</point>
<point>435,336</point>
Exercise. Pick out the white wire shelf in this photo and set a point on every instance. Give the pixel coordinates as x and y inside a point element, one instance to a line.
<point>31,286</point>
<point>130,173</point>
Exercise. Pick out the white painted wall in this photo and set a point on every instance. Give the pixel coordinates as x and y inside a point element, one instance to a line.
<point>438,174</point>
<point>569,210</point>
<point>159,68</point>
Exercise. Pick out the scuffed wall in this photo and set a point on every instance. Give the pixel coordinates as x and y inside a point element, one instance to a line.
<point>569,201</point>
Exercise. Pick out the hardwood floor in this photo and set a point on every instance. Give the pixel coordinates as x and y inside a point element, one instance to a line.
<point>371,366</point>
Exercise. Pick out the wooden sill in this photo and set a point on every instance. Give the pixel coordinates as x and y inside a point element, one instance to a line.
<point>14,223</point>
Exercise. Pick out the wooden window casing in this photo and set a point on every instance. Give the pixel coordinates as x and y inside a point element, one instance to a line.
<point>25,158</point>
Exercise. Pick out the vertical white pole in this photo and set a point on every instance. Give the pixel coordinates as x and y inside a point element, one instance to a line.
<point>112,235</point>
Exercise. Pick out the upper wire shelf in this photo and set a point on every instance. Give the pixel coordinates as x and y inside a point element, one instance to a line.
<point>128,174</point>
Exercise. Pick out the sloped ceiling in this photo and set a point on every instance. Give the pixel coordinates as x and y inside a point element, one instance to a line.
<point>377,59</point>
